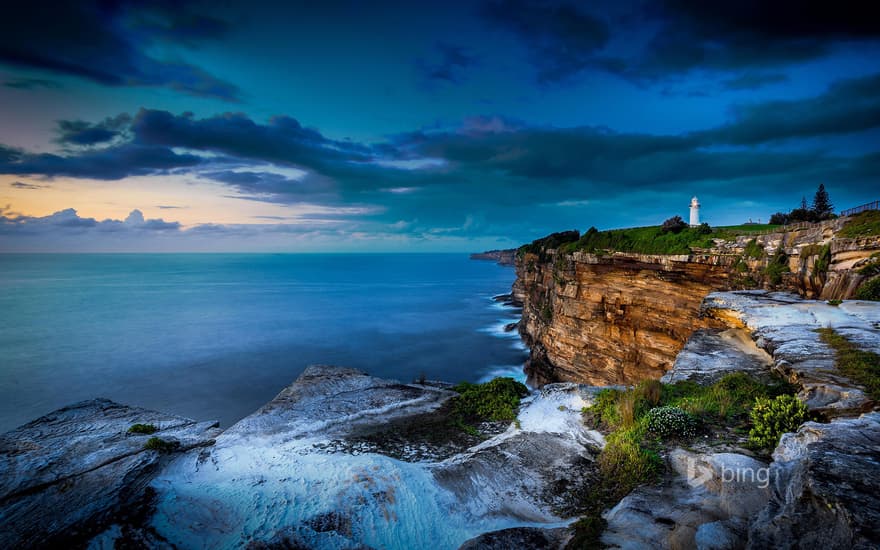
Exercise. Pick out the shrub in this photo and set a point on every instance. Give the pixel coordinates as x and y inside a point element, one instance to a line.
<point>496,400</point>
<point>753,250</point>
<point>823,262</point>
<point>671,422</point>
<point>871,267</point>
<point>773,417</point>
<point>704,229</point>
<point>779,218</point>
<point>143,429</point>
<point>869,290</point>
<point>777,265</point>
<point>673,225</point>
<point>158,444</point>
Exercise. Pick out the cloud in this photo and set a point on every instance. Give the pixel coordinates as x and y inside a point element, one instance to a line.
<point>23,185</point>
<point>283,139</point>
<point>119,35</point>
<point>81,133</point>
<point>448,64</point>
<point>112,163</point>
<point>32,84</point>
<point>753,81</point>
<point>847,106</point>
<point>69,221</point>
<point>683,36</point>
<point>562,40</point>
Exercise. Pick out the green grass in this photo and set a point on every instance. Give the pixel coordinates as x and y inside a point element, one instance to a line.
<point>631,454</point>
<point>753,250</point>
<point>497,401</point>
<point>861,366</point>
<point>777,265</point>
<point>864,224</point>
<point>747,229</point>
<point>161,445</point>
<point>641,240</point>
<point>143,429</point>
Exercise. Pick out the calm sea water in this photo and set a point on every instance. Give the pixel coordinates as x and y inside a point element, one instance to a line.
<point>214,336</point>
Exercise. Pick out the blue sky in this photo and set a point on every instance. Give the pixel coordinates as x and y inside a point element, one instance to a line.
<point>418,126</point>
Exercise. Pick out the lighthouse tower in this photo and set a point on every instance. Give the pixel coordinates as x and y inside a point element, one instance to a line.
<point>695,212</point>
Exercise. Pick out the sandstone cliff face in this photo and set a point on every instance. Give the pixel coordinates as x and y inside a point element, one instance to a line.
<point>623,317</point>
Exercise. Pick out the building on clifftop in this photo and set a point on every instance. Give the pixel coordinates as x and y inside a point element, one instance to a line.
<point>695,212</point>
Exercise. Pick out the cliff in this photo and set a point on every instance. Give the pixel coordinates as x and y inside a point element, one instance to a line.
<point>502,257</point>
<point>619,317</point>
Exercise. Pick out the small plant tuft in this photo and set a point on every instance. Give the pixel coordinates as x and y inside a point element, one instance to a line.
<point>773,417</point>
<point>668,422</point>
<point>145,429</point>
<point>497,400</point>
<point>161,445</point>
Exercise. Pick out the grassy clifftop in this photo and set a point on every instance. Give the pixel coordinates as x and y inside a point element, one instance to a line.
<point>642,240</point>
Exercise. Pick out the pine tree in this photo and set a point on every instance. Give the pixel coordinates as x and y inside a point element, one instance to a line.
<point>803,203</point>
<point>821,203</point>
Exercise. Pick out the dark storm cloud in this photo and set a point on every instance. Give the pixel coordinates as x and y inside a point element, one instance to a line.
<point>847,106</point>
<point>753,81</point>
<point>283,139</point>
<point>275,187</point>
<point>32,84</point>
<point>684,35</point>
<point>562,39</point>
<point>106,42</point>
<point>112,163</point>
<point>448,64</point>
<point>81,133</point>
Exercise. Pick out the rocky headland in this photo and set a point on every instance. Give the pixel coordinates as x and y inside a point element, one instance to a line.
<point>501,257</point>
<point>618,317</point>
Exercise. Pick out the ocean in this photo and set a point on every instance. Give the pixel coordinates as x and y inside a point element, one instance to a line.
<point>214,336</point>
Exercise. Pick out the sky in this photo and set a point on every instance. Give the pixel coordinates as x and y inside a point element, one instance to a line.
<point>422,126</point>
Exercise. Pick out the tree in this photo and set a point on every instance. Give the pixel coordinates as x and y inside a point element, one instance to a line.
<point>822,204</point>
<point>803,202</point>
<point>673,224</point>
<point>779,218</point>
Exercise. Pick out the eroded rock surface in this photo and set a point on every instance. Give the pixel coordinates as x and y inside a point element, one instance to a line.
<point>271,480</point>
<point>826,490</point>
<point>67,474</point>
<point>785,326</point>
<point>711,354</point>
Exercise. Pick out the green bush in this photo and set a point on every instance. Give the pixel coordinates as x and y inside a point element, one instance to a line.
<point>753,250</point>
<point>143,429</point>
<point>671,422</point>
<point>869,290</point>
<point>158,444</point>
<point>497,400</point>
<point>773,417</point>
<point>777,265</point>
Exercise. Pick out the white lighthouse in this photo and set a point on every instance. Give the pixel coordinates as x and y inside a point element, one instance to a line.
<point>695,212</point>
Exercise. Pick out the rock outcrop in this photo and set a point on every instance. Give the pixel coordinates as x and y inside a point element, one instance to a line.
<point>618,317</point>
<point>826,488</point>
<point>70,473</point>
<point>501,257</point>
<point>785,326</point>
<point>822,490</point>
<point>297,473</point>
